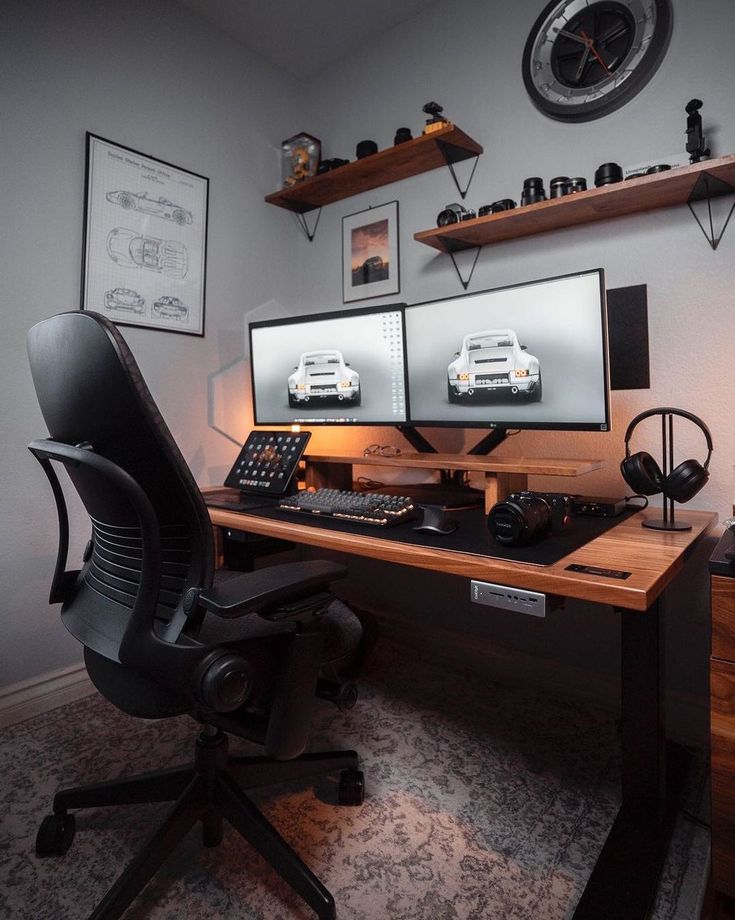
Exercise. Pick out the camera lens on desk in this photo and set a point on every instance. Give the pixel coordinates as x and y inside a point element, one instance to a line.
<point>533,191</point>
<point>557,186</point>
<point>521,521</point>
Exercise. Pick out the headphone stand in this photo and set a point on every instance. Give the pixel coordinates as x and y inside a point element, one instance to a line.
<point>668,520</point>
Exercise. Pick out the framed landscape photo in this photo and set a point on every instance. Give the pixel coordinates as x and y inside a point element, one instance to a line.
<point>145,240</point>
<point>370,253</point>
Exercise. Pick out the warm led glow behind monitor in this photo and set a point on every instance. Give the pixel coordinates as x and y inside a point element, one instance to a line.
<point>529,356</point>
<point>346,367</point>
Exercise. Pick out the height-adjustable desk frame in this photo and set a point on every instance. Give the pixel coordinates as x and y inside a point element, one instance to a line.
<point>624,881</point>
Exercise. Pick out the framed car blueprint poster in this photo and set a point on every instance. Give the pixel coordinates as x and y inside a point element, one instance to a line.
<point>370,253</point>
<point>145,240</point>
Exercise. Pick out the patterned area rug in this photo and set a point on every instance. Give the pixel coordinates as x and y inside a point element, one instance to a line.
<point>483,803</point>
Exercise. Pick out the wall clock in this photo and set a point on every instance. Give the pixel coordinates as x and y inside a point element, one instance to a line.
<point>585,59</point>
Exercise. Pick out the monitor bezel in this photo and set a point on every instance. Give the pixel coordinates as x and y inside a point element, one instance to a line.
<point>514,423</point>
<point>327,315</point>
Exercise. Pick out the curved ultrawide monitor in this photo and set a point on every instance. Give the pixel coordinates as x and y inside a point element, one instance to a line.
<point>532,355</point>
<point>342,368</point>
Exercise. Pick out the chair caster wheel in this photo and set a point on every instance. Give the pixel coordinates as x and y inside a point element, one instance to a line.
<point>351,787</point>
<point>55,835</point>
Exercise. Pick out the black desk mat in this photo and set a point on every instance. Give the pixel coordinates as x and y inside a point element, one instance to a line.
<point>472,535</point>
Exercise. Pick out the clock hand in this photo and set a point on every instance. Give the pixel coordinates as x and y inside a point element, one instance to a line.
<point>567,34</point>
<point>591,46</point>
<point>615,32</point>
<point>582,63</point>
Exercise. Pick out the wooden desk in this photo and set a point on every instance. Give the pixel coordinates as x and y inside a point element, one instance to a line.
<point>624,881</point>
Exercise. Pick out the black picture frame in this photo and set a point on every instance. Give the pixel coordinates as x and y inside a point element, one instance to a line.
<point>144,254</point>
<point>375,231</point>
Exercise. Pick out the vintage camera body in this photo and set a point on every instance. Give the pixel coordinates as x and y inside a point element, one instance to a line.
<point>525,517</point>
<point>452,214</point>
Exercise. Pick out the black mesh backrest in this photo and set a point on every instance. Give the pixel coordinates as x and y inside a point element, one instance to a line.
<point>90,390</point>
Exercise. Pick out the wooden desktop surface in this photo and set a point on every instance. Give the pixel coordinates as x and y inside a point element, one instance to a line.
<point>652,557</point>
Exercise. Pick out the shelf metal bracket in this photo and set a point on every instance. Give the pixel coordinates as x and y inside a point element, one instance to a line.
<point>453,154</point>
<point>301,218</point>
<point>465,284</point>
<point>706,188</point>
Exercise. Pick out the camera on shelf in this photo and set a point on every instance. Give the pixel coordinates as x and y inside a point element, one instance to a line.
<point>330,164</point>
<point>503,204</point>
<point>524,517</point>
<point>453,214</point>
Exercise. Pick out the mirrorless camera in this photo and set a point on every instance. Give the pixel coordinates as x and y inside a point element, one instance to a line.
<point>524,517</point>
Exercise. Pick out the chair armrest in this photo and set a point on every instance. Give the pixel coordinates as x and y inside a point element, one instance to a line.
<point>278,584</point>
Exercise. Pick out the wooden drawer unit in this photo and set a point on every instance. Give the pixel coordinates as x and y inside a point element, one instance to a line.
<point>722,686</point>
<point>722,716</point>
<point>723,617</point>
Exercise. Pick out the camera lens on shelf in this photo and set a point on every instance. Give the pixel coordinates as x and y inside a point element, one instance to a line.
<point>533,191</point>
<point>557,186</point>
<point>451,214</point>
<point>469,214</point>
<point>484,210</point>
<point>578,184</point>
<point>607,174</point>
<point>402,135</point>
<point>365,149</point>
<point>660,167</point>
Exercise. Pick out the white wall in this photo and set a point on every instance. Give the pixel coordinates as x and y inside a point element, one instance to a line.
<point>158,79</point>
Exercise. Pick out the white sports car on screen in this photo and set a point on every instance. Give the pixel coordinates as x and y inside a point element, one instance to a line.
<point>323,375</point>
<point>493,362</point>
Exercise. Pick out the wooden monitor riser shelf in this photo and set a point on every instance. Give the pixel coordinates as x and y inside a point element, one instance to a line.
<point>502,474</point>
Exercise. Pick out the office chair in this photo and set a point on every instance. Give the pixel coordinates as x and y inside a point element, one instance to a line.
<point>164,634</point>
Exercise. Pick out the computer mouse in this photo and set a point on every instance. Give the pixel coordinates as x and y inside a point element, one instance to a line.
<point>435,520</point>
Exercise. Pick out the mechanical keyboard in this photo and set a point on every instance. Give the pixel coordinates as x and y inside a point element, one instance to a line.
<point>363,507</point>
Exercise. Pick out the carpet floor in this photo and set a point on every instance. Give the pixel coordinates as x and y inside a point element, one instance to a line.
<point>483,803</point>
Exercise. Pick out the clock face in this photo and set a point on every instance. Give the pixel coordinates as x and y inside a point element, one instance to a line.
<point>584,59</point>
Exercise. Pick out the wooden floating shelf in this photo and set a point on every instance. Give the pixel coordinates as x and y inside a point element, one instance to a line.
<point>503,475</point>
<point>429,151</point>
<point>647,193</point>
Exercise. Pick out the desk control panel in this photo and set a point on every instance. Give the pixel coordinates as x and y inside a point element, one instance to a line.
<point>521,601</point>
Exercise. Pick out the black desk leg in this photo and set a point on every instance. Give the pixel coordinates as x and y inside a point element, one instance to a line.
<point>624,881</point>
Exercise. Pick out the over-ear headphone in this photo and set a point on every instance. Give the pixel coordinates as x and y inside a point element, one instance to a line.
<point>643,474</point>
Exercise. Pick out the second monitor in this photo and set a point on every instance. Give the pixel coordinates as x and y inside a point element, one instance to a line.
<point>528,356</point>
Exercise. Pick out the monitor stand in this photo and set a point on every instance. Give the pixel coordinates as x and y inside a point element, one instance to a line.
<point>423,446</point>
<point>451,493</point>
